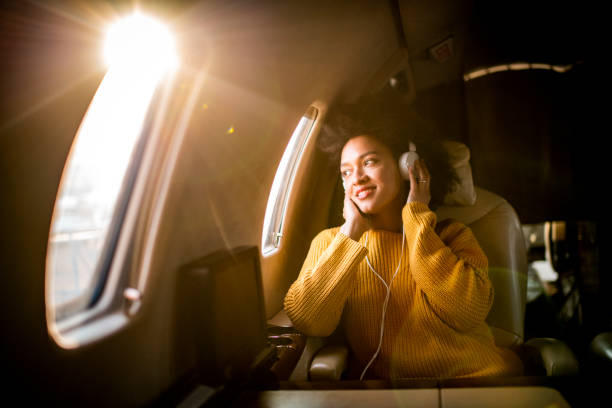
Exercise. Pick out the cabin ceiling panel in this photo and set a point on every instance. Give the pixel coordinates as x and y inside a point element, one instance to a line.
<point>428,24</point>
<point>486,33</point>
<point>294,52</point>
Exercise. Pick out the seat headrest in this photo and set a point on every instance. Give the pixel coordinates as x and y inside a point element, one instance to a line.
<point>464,192</point>
<point>467,214</point>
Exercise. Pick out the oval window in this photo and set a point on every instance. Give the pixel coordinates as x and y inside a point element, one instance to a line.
<point>99,172</point>
<point>283,181</point>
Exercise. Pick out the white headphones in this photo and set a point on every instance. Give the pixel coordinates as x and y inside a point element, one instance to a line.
<point>406,160</point>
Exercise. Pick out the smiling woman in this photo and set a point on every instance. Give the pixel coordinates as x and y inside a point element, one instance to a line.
<point>410,293</point>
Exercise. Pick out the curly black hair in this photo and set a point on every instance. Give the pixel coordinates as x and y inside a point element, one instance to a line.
<point>394,129</point>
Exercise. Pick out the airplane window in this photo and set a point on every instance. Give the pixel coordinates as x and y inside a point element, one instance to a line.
<point>95,182</point>
<point>283,181</point>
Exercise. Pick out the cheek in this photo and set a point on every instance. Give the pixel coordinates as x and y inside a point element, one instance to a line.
<point>392,182</point>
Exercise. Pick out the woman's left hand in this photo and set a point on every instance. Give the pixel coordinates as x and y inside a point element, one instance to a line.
<point>419,183</point>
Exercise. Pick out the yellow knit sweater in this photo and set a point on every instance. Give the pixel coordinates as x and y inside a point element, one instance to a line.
<point>435,319</point>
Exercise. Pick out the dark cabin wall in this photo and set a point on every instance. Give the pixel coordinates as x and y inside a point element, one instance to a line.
<point>531,147</point>
<point>533,133</point>
<point>444,107</point>
<point>539,138</point>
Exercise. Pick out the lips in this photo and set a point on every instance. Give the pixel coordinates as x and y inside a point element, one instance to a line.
<point>364,192</point>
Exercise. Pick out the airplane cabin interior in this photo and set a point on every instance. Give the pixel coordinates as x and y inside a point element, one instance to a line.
<point>158,202</point>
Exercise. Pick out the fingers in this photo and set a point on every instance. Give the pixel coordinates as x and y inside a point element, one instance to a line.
<point>422,172</point>
<point>411,175</point>
<point>346,207</point>
<point>350,210</point>
<point>356,223</point>
<point>418,171</point>
<point>419,182</point>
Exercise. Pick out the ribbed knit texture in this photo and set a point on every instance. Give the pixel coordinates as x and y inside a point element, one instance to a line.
<point>435,320</point>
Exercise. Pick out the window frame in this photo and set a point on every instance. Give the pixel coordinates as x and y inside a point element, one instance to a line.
<point>112,304</point>
<point>91,295</point>
<point>282,186</point>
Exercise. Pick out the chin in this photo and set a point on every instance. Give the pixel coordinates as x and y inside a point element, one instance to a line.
<point>367,208</point>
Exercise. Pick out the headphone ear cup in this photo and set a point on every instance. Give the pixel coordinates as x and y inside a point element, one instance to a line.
<point>406,160</point>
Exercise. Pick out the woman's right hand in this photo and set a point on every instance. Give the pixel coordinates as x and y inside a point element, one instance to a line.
<point>355,222</point>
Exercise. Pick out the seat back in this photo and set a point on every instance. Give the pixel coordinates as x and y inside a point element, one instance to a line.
<point>498,230</point>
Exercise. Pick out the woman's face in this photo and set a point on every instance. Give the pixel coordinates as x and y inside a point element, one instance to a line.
<point>370,174</point>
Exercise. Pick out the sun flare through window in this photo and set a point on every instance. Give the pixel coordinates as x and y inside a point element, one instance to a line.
<point>95,182</point>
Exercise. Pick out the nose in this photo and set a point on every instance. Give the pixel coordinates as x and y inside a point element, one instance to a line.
<point>359,176</point>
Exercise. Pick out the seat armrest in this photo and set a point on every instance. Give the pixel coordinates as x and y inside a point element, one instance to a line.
<point>600,352</point>
<point>317,359</point>
<point>552,355</point>
<point>280,320</point>
<point>329,363</point>
<point>288,342</point>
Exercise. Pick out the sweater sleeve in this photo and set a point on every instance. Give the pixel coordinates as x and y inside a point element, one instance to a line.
<point>449,267</point>
<point>315,301</point>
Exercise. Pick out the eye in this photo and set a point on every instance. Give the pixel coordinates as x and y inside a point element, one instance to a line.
<point>345,173</point>
<point>370,161</point>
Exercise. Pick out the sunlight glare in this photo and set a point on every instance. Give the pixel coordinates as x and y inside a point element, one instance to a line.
<point>141,43</point>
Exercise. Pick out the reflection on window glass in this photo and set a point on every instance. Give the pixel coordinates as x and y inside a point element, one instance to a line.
<point>283,181</point>
<point>92,181</point>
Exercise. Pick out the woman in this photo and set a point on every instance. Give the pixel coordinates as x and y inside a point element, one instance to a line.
<point>411,294</point>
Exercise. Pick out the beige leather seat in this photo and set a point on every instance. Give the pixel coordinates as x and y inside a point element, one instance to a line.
<point>498,231</point>
<point>600,353</point>
<point>497,227</point>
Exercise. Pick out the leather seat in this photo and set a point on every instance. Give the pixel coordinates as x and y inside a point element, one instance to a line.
<point>498,230</point>
<point>600,353</point>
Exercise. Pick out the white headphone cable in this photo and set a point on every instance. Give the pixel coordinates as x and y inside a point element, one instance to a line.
<point>386,302</point>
